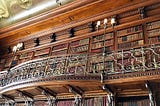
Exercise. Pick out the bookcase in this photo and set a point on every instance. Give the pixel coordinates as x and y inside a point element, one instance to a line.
<point>130,37</point>
<point>23,57</point>
<point>137,101</point>
<point>101,42</point>
<point>41,53</point>
<point>79,46</point>
<point>60,49</point>
<point>153,32</point>
<point>104,44</point>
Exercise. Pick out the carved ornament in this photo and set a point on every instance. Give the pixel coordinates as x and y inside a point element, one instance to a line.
<point>3,10</point>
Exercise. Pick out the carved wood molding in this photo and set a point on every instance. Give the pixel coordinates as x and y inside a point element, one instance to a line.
<point>43,16</point>
<point>80,22</point>
<point>109,79</point>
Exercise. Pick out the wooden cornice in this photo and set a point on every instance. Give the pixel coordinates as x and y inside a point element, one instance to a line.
<point>79,22</point>
<point>44,16</point>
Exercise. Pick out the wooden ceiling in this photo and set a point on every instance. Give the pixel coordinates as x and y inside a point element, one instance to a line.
<point>60,16</point>
<point>85,89</point>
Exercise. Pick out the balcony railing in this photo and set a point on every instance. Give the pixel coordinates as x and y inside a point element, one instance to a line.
<point>133,60</point>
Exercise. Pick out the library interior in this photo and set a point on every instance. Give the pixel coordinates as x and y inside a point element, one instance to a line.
<point>79,52</point>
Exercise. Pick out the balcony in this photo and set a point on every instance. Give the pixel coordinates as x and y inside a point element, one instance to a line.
<point>144,61</point>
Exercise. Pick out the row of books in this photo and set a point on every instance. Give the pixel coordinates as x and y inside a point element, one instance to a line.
<point>103,37</point>
<point>26,55</point>
<point>100,58</point>
<point>144,102</point>
<point>61,46</point>
<point>99,101</point>
<point>153,25</point>
<point>61,52</point>
<point>101,44</point>
<point>80,42</point>
<point>42,52</point>
<point>65,103</point>
<point>97,45</point>
<point>79,49</point>
<point>153,32</point>
<point>154,40</point>
<point>130,44</point>
<point>129,30</point>
<point>23,60</point>
<point>101,50</point>
<point>41,56</point>
<point>130,37</point>
<point>102,66</point>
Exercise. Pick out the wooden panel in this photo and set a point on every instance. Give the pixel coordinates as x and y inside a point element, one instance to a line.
<point>78,14</point>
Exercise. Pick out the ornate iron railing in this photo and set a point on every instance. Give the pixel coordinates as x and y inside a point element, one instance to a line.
<point>133,60</point>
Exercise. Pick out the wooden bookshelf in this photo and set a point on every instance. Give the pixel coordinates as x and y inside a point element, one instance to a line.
<point>41,53</point>
<point>153,32</point>
<point>79,46</point>
<point>130,37</point>
<point>102,42</point>
<point>23,57</point>
<point>131,32</point>
<point>59,49</point>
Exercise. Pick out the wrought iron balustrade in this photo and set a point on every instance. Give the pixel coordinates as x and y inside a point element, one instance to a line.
<point>125,61</point>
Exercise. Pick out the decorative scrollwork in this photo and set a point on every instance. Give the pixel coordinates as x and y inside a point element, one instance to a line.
<point>4,13</point>
<point>26,4</point>
<point>134,60</point>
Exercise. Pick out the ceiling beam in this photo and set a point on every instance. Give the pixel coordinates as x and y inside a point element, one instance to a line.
<point>25,94</point>
<point>74,90</point>
<point>46,91</point>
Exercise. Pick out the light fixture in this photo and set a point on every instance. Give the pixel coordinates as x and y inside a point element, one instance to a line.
<point>113,21</point>
<point>105,23</point>
<point>18,47</point>
<point>98,24</point>
<point>14,49</point>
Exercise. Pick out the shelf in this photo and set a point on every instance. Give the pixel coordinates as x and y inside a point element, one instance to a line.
<point>153,28</point>
<point>108,45</point>
<point>80,45</point>
<point>129,33</point>
<point>42,52</point>
<point>156,35</point>
<point>132,47</point>
<point>61,46</point>
<point>106,38</point>
<point>79,42</point>
<point>59,50</point>
<point>131,40</point>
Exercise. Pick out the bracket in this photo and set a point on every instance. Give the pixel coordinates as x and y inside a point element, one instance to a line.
<point>51,96</point>
<point>102,77</point>
<point>77,93</point>
<point>110,95</point>
<point>8,99</point>
<point>151,98</point>
<point>27,98</point>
